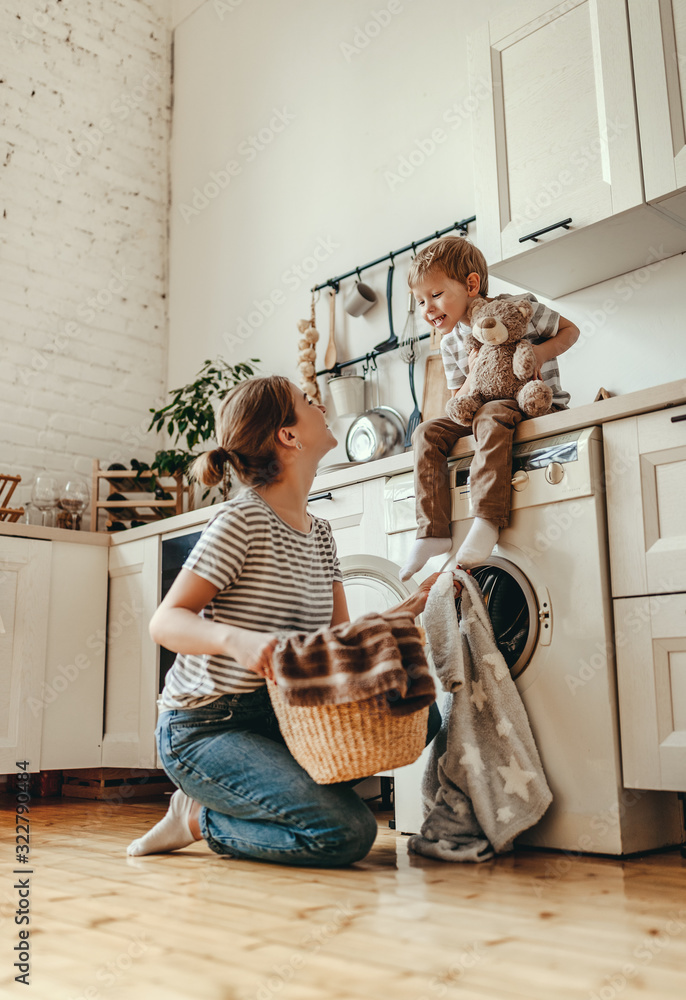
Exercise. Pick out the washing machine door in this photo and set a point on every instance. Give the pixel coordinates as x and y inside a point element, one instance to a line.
<point>515,610</point>
<point>372,585</point>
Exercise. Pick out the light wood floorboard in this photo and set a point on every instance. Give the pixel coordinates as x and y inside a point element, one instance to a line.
<point>533,925</point>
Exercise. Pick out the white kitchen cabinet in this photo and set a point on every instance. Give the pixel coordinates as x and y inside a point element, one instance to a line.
<point>658,33</point>
<point>53,605</point>
<point>650,637</point>
<point>645,464</point>
<point>645,469</point>
<point>74,682</point>
<point>132,656</point>
<point>556,146</point>
<point>24,596</point>
<point>356,515</point>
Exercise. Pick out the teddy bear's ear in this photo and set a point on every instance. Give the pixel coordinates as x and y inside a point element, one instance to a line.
<point>474,306</point>
<point>526,309</point>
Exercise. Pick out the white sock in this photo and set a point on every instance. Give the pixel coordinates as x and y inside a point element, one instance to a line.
<point>420,553</point>
<point>478,544</point>
<point>171,833</point>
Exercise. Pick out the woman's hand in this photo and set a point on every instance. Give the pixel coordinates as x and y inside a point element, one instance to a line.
<point>416,603</point>
<point>252,650</point>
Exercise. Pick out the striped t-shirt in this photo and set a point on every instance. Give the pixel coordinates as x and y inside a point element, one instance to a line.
<point>542,326</point>
<point>271,578</point>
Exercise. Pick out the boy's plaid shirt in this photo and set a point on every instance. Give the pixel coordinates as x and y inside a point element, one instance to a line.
<point>542,326</point>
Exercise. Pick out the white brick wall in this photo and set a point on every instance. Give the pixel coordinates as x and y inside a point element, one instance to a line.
<point>85,96</point>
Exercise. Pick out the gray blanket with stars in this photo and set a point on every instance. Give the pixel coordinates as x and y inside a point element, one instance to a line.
<point>484,782</point>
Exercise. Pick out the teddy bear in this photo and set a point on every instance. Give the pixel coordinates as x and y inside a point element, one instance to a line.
<point>505,362</point>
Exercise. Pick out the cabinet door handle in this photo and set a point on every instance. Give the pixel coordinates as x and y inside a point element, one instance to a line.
<point>681,416</point>
<point>320,496</point>
<point>539,232</point>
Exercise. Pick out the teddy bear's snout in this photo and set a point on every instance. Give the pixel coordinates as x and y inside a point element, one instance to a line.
<point>490,331</point>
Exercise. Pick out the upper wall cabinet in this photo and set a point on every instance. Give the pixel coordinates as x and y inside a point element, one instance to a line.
<point>559,184</point>
<point>658,34</point>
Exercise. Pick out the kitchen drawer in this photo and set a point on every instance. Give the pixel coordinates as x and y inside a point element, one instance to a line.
<point>341,507</point>
<point>645,474</point>
<point>650,638</point>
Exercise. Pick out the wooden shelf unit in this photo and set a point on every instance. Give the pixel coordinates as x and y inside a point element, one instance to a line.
<point>142,507</point>
<point>8,484</point>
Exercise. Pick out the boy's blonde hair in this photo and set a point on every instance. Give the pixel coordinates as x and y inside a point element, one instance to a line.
<point>455,256</point>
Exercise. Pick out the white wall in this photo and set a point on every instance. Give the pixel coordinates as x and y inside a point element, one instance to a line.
<point>85,92</point>
<point>330,179</point>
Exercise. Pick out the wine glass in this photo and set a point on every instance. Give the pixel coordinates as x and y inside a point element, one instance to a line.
<point>45,495</point>
<point>73,498</point>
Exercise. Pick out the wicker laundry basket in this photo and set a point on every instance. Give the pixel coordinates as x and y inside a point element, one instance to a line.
<point>354,740</point>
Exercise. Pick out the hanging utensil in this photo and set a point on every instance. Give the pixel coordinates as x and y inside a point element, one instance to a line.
<point>409,348</point>
<point>379,431</point>
<point>331,355</point>
<point>415,416</point>
<point>392,342</point>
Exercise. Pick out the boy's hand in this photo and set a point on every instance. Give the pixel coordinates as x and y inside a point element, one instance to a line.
<point>473,355</point>
<point>538,351</point>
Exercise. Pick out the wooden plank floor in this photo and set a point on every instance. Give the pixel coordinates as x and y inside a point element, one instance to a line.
<point>529,926</point>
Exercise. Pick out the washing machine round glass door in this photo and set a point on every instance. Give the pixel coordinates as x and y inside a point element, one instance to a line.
<point>513,609</point>
<point>372,585</point>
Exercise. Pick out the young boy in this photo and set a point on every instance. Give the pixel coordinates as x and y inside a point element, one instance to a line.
<point>444,278</point>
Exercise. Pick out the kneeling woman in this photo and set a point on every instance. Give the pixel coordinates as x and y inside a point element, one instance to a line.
<point>263,565</point>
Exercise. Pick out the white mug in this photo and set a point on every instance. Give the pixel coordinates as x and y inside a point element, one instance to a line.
<point>359,299</point>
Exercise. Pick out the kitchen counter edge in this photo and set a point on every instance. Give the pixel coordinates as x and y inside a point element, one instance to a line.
<point>617,407</point>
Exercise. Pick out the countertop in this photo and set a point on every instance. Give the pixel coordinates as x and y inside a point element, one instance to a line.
<point>592,414</point>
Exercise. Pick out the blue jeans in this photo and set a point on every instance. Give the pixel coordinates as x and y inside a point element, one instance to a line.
<point>258,802</point>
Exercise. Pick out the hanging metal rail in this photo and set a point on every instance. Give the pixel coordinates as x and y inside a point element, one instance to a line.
<point>334,283</point>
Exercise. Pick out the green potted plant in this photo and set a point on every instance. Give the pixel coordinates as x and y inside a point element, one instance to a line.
<point>189,417</point>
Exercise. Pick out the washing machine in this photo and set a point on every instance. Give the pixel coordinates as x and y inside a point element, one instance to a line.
<point>547,590</point>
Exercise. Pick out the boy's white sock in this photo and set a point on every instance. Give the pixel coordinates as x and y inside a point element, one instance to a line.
<point>422,550</point>
<point>171,833</point>
<point>478,544</point>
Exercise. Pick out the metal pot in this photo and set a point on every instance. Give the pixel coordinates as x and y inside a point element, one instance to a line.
<point>375,434</point>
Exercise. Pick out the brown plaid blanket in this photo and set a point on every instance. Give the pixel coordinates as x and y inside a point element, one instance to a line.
<point>376,654</point>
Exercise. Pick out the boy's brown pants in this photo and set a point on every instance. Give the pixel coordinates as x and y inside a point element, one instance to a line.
<point>490,476</point>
